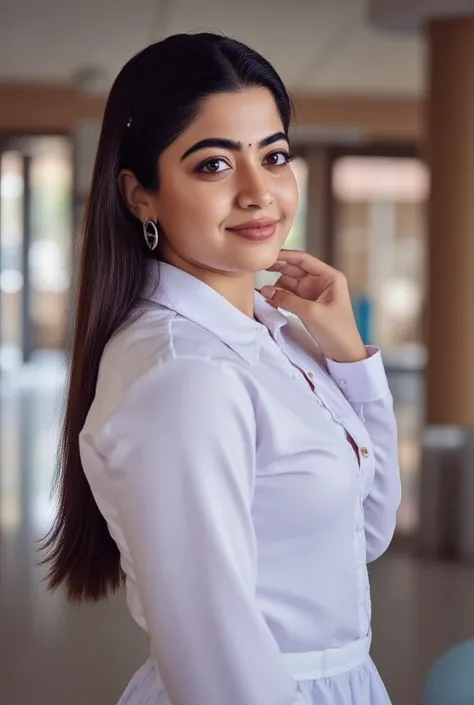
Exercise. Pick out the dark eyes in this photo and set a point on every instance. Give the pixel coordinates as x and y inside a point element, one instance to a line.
<point>279,158</point>
<point>217,165</point>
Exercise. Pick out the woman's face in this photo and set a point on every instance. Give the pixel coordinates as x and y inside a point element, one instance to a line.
<point>229,167</point>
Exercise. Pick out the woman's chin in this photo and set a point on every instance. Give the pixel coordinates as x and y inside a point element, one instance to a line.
<point>261,258</point>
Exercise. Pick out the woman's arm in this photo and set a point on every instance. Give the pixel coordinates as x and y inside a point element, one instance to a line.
<point>319,295</point>
<point>365,386</point>
<point>180,453</point>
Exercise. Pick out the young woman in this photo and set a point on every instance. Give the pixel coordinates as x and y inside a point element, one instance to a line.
<point>234,464</point>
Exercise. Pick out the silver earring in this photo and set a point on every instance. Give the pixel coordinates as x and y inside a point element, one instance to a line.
<point>150,233</point>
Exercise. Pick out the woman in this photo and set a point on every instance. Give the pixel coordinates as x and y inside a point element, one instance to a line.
<point>241,464</point>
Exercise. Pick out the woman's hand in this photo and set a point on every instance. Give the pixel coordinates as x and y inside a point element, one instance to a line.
<point>319,296</point>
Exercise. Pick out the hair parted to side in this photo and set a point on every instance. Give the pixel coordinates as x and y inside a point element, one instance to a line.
<point>156,95</point>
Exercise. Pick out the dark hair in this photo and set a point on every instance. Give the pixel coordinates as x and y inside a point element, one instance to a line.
<point>154,98</point>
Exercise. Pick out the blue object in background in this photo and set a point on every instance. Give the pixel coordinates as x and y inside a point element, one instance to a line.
<point>450,680</point>
<point>363,312</point>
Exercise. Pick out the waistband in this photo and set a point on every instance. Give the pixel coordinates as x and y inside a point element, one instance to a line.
<point>311,665</point>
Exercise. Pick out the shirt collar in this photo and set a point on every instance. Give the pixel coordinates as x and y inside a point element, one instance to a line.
<point>179,291</point>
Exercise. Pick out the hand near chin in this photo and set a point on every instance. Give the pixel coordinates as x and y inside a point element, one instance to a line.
<point>319,295</point>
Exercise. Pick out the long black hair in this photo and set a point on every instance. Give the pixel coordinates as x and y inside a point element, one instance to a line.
<point>154,98</point>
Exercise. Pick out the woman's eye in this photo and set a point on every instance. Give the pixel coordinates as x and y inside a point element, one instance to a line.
<point>213,166</point>
<point>279,158</point>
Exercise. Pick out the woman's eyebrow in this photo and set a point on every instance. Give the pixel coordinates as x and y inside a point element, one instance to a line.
<point>231,145</point>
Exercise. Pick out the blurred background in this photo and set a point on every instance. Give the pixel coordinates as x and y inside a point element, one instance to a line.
<point>384,137</point>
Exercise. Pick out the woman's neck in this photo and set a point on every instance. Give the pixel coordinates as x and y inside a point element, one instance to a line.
<point>238,289</point>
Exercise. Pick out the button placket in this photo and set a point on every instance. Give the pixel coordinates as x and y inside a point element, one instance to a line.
<point>363,451</point>
<point>301,374</point>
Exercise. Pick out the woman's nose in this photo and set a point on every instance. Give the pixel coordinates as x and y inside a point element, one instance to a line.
<point>254,191</point>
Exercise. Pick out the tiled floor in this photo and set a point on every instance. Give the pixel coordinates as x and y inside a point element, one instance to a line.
<point>55,654</point>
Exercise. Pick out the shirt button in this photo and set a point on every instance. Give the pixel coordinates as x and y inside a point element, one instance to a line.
<point>364,452</point>
<point>311,375</point>
<point>342,383</point>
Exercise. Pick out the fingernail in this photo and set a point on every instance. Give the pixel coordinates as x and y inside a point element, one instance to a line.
<point>269,292</point>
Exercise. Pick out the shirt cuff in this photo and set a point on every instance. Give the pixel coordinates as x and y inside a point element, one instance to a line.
<point>361,382</point>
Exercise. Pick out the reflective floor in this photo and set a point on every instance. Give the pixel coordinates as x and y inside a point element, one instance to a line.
<point>54,654</point>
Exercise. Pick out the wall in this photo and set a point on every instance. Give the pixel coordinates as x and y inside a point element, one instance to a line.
<point>40,109</point>
<point>46,109</point>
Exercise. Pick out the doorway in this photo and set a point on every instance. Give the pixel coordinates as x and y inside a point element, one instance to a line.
<point>36,224</point>
<point>379,234</point>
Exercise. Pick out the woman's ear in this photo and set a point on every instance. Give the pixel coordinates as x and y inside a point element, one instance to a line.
<point>135,197</point>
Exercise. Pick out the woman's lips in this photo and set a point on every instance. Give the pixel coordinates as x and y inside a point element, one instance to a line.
<point>256,230</point>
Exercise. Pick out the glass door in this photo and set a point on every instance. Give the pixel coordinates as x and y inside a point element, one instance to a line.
<point>35,248</point>
<point>380,243</point>
<point>12,217</point>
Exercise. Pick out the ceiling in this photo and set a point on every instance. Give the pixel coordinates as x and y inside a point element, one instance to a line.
<point>324,46</point>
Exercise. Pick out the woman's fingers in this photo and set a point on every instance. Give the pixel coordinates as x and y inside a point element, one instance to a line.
<point>284,283</point>
<point>287,268</point>
<point>287,282</point>
<point>306,262</point>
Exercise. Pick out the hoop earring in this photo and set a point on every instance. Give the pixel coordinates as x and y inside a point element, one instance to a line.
<point>151,238</point>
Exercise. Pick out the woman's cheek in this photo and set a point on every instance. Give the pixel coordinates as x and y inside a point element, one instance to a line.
<point>207,203</point>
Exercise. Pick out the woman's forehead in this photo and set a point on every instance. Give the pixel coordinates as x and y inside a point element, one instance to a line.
<point>246,115</point>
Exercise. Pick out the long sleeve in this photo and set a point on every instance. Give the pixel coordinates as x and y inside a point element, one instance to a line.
<point>366,387</point>
<point>180,453</point>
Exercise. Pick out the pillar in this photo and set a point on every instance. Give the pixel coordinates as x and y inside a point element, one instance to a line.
<point>447,473</point>
<point>447,479</point>
<point>450,151</point>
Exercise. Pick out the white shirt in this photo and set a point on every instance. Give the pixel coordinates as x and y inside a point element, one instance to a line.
<point>243,518</point>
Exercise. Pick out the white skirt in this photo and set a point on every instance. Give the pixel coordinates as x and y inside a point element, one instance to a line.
<point>344,676</point>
